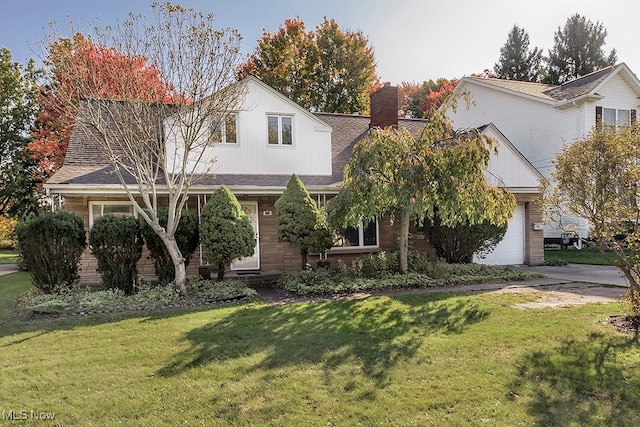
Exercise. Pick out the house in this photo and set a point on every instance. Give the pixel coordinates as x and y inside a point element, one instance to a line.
<point>539,118</point>
<point>259,150</point>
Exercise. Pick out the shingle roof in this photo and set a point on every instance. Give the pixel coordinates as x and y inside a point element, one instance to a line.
<point>570,90</point>
<point>86,165</point>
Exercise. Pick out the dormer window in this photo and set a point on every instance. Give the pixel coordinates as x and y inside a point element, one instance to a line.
<point>280,130</point>
<point>225,132</point>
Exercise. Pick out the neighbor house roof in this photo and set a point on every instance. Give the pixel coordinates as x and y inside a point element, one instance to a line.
<point>559,95</point>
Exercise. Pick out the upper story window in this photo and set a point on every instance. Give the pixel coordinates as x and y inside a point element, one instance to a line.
<point>280,130</point>
<point>100,209</point>
<point>225,132</point>
<point>614,118</point>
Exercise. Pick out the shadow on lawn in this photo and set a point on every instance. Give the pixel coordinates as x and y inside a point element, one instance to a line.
<point>582,383</point>
<point>374,334</point>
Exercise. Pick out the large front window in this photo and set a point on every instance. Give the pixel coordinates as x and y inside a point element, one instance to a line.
<point>364,235</point>
<point>280,130</point>
<point>100,209</point>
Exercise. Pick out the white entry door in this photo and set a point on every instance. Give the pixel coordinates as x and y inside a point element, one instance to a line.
<point>252,262</point>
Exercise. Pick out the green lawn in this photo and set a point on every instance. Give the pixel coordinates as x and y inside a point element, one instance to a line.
<point>574,256</point>
<point>418,359</point>
<point>8,256</point>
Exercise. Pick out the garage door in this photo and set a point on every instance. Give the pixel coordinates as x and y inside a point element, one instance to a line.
<point>510,251</point>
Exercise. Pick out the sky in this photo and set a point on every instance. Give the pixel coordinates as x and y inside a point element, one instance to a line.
<point>413,40</point>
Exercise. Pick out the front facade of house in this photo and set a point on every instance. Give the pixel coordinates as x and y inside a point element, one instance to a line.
<point>539,119</point>
<point>267,140</point>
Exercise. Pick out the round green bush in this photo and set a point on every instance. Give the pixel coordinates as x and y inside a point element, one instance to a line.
<point>117,243</point>
<point>51,245</point>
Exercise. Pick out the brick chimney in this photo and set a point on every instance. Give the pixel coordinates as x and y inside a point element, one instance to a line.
<point>384,107</point>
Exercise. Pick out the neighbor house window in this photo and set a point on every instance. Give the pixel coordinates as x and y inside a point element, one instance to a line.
<point>614,118</point>
<point>280,130</point>
<point>100,209</point>
<point>364,235</point>
<point>225,132</point>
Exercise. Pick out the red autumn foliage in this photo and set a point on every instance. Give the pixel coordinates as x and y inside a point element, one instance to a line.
<point>82,69</point>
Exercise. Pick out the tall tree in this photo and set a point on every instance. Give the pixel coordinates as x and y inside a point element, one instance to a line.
<point>517,61</point>
<point>578,50</point>
<point>597,179</point>
<point>416,100</point>
<point>226,231</point>
<point>199,63</point>
<point>327,70</point>
<point>18,109</point>
<point>395,173</point>
<point>80,68</point>
<point>299,221</point>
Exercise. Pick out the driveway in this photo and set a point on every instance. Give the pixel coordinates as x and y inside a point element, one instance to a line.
<point>8,268</point>
<point>596,274</point>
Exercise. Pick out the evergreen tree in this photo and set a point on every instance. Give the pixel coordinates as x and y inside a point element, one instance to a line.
<point>300,222</point>
<point>577,51</point>
<point>517,61</point>
<point>225,231</point>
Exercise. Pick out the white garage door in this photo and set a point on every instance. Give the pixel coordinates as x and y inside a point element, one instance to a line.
<point>510,251</point>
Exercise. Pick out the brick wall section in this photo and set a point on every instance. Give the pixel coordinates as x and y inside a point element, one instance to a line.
<point>277,257</point>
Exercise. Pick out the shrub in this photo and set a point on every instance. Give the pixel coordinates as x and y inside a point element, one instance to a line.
<point>187,236</point>
<point>226,231</point>
<point>7,232</point>
<point>117,243</point>
<point>458,244</point>
<point>51,246</point>
<point>381,264</point>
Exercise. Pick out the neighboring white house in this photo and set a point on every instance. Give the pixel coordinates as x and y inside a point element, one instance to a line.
<point>539,119</point>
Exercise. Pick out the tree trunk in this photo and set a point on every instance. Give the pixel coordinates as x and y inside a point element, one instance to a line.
<point>220,273</point>
<point>178,265</point>
<point>404,241</point>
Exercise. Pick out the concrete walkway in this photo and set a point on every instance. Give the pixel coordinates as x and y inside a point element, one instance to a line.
<point>7,269</point>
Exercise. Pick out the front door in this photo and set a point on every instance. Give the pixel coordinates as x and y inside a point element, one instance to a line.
<point>252,262</point>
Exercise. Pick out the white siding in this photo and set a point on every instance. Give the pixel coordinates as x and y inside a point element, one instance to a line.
<point>310,153</point>
<point>507,167</point>
<point>510,251</point>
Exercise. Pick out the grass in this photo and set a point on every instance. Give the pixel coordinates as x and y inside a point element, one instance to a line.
<point>9,256</point>
<point>419,359</point>
<point>574,256</point>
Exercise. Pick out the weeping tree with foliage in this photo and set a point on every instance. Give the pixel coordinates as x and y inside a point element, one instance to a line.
<point>187,237</point>
<point>517,61</point>
<point>300,222</point>
<point>156,138</point>
<point>577,50</point>
<point>408,177</point>
<point>597,179</point>
<point>226,231</point>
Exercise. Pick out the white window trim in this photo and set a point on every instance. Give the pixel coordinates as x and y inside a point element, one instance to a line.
<point>361,247</point>
<point>108,203</point>
<point>280,116</point>
<point>222,127</point>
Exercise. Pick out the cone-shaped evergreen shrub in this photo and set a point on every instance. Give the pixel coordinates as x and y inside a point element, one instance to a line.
<point>300,222</point>
<point>51,245</point>
<point>187,236</point>
<point>117,243</point>
<point>226,231</point>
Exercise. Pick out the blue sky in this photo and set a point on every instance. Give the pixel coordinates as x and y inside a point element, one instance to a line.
<point>413,40</point>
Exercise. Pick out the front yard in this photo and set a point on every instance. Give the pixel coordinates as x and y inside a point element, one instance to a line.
<point>417,359</point>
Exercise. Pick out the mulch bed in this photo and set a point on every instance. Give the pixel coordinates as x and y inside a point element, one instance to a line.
<point>626,323</point>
